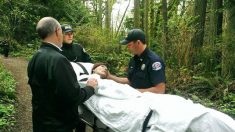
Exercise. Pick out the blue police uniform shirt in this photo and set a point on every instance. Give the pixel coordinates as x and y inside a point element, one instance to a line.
<point>146,70</point>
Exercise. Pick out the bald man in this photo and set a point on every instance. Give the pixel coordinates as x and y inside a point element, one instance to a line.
<point>56,93</point>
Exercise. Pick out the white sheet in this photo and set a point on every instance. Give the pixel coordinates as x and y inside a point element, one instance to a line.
<point>124,109</point>
<point>78,70</point>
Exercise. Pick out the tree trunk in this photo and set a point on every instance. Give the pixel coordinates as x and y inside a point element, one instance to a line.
<point>173,7</point>
<point>216,21</point>
<point>152,22</point>
<point>165,30</point>
<point>120,24</point>
<point>99,13</point>
<point>146,20</point>
<point>157,21</point>
<point>199,24</point>
<point>83,1</point>
<point>228,53</point>
<point>183,8</point>
<point>137,13</point>
<point>108,10</point>
<point>219,17</point>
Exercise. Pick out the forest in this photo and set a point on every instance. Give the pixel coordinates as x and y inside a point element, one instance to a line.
<point>195,38</point>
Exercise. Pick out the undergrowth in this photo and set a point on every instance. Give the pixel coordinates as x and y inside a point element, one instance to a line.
<point>7,100</point>
<point>214,91</point>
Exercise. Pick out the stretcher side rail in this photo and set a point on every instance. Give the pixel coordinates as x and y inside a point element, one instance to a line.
<point>87,117</point>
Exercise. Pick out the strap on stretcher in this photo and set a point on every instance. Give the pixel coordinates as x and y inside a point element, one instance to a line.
<point>146,121</point>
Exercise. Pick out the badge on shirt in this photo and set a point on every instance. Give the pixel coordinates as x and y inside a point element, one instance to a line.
<point>142,67</point>
<point>157,66</point>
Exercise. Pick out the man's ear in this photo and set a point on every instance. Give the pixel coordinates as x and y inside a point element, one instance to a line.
<point>56,31</point>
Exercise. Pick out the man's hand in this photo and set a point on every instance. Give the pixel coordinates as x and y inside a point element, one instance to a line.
<point>92,82</point>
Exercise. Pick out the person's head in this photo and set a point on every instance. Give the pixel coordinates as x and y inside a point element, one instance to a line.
<point>49,30</point>
<point>67,33</point>
<point>100,69</point>
<point>135,41</point>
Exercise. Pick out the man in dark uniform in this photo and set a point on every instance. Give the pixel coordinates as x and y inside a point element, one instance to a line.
<point>56,93</point>
<point>6,48</point>
<point>73,51</point>
<point>76,53</point>
<point>146,70</point>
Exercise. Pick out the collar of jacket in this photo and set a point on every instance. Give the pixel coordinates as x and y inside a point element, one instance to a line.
<point>46,44</point>
<point>142,55</point>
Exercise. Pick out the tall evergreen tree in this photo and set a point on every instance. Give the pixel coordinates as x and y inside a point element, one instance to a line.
<point>199,24</point>
<point>137,13</point>
<point>165,29</point>
<point>228,53</point>
<point>146,20</point>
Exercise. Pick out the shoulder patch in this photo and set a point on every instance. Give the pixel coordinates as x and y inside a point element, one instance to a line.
<point>157,66</point>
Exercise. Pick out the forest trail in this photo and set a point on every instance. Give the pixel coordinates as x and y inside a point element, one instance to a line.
<point>18,68</point>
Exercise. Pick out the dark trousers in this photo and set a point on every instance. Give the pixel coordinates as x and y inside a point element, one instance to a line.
<point>81,127</point>
<point>5,52</point>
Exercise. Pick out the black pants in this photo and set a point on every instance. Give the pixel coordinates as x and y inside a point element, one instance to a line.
<point>5,52</point>
<point>81,127</point>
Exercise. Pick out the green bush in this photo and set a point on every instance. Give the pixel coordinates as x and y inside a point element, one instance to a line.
<point>7,99</point>
<point>7,84</point>
<point>103,48</point>
<point>211,91</point>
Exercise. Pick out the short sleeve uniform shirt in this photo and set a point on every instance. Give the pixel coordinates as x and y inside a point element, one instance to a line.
<point>146,70</point>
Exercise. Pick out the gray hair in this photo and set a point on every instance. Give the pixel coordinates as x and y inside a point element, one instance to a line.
<point>47,26</point>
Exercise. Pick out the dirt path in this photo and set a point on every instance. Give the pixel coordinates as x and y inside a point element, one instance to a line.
<point>18,68</point>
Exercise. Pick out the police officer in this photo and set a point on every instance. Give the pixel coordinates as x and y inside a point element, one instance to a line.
<point>73,51</point>
<point>146,70</point>
<point>76,53</point>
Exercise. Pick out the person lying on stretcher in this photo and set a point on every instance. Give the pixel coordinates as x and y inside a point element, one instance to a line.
<point>124,109</point>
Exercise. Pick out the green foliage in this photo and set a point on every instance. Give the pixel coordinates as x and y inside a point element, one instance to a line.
<point>17,22</point>
<point>6,116</point>
<point>228,69</point>
<point>102,48</point>
<point>7,84</point>
<point>212,91</point>
<point>117,63</point>
<point>19,18</point>
<point>25,51</point>
<point>92,36</point>
<point>210,59</point>
<point>7,99</point>
<point>179,50</point>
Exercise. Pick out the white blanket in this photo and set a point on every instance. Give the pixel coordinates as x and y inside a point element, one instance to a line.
<point>124,109</point>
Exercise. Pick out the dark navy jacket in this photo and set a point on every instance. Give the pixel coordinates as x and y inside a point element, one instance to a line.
<point>146,70</point>
<point>56,93</point>
<point>75,53</point>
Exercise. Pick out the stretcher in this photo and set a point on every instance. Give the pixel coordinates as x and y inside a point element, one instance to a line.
<point>87,117</point>
<point>124,109</point>
<point>91,120</point>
